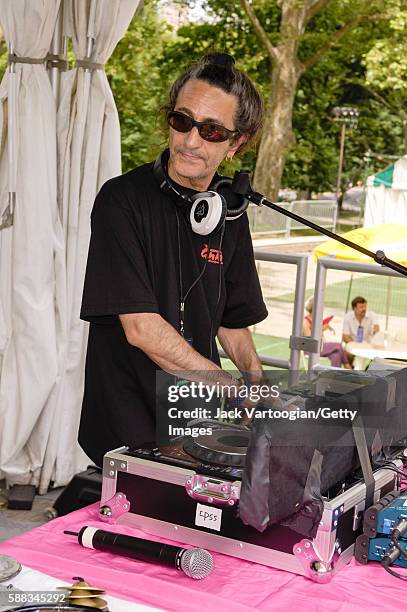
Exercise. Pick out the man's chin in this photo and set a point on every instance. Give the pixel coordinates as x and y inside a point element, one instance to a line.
<point>188,170</point>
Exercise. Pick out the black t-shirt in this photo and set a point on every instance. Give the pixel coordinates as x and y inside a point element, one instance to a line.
<point>134,266</point>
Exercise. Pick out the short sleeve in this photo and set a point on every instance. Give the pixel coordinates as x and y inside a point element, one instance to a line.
<point>244,301</point>
<point>346,326</point>
<point>374,317</point>
<point>117,279</point>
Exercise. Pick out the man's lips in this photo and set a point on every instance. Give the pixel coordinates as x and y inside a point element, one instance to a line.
<point>190,156</point>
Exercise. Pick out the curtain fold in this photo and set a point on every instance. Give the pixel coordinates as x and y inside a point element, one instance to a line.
<point>31,250</point>
<point>63,156</point>
<point>88,132</point>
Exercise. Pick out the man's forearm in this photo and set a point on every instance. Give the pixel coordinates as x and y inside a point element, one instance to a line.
<point>168,349</point>
<point>239,346</point>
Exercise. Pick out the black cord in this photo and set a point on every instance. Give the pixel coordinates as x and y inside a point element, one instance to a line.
<point>392,572</point>
<point>219,291</point>
<point>396,551</point>
<point>183,298</point>
<point>400,548</point>
<point>397,533</point>
<point>388,465</point>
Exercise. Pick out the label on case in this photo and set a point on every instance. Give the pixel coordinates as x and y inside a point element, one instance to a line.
<point>208,516</point>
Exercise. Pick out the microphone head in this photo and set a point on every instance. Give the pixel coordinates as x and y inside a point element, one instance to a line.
<point>196,563</point>
<point>241,183</point>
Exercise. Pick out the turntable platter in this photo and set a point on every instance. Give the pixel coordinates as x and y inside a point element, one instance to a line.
<point>226,446</point>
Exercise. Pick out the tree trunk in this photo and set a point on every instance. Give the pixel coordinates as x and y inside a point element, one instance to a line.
<point>278,135</point>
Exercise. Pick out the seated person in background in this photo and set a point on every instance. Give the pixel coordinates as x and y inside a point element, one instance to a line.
<point>333,350</point>
<point>359,325</point>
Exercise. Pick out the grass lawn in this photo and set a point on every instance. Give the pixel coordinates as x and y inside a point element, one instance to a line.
<point>373,288</point>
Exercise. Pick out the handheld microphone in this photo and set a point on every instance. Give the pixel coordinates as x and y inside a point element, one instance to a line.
<point>194,562</point>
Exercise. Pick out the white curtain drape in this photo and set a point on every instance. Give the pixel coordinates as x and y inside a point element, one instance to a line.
<point>88,155</point>
<point>31,250</point>
<point>63,158</point>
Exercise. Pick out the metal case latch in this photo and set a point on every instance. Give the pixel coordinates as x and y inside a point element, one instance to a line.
<point>114,507</point>
<point>212,491</point>
<point>319,570</point>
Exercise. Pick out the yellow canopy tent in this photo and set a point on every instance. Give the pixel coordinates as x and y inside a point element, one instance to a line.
<point>390,238</point>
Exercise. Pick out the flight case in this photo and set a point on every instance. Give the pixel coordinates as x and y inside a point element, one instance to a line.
<point>174,496</point>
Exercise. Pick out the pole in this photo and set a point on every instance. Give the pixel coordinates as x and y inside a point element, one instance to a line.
<point>341,151</point>
<point>12,138</point>
<point>388,294</point>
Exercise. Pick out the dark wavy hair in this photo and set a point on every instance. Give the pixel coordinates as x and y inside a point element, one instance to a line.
<point>358,300</point>
<point>219,70</point>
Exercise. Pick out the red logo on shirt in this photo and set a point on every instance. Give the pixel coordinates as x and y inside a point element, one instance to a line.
<point>212,255</point>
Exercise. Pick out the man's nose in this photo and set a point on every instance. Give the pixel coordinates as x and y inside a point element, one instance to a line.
<point>192,138</point>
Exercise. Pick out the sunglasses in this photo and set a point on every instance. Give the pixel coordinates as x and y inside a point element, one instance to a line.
<point>208,130</point>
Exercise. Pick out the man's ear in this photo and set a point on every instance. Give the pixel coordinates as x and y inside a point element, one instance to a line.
<point>237,144</point>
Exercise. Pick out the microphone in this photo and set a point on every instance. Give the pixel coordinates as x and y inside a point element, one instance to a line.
<point>241,183</point>
<point>194,562</point>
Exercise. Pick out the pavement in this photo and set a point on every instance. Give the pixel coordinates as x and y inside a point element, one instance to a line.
<point>14,522</point>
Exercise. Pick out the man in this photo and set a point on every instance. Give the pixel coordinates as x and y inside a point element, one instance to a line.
<point>359,325</point>
<point>156,293</point>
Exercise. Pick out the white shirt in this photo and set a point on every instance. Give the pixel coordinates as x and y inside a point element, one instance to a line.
<point>351,324</point>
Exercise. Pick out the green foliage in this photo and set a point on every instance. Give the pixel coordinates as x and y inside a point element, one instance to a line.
<point>337,79</point>
<point>228,32</point>
<point>139,85</point>
<point>386,64</point>
<point>3,56</point>
<point>369,60</point>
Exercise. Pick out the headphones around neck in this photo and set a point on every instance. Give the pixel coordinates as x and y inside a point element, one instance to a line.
<point>209,209</point>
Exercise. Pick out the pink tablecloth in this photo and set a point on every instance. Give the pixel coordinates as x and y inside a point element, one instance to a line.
<point>234,585</point>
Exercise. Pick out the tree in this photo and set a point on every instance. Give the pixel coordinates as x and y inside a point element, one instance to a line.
<point>386,77</point>
<point>337,79</point>
<point>288,68</point>
<point>139,85</point>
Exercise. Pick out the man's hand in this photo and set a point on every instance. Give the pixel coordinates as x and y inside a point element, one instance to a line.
<point>239,346</point>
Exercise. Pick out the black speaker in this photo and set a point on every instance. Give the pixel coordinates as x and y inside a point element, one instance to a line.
<point>85,488</point>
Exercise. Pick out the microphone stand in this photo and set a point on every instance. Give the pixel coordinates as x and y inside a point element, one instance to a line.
<point>241,186</point>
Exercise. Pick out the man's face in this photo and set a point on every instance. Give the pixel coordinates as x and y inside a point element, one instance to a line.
<point>193,160</point>
<point>360,310</point>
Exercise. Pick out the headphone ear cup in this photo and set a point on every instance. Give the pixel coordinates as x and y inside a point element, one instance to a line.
<point>208,212</point>
<point>236,203</point>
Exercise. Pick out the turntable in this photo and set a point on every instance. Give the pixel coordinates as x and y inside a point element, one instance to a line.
<point>227,446</point>
<point>223,453</point>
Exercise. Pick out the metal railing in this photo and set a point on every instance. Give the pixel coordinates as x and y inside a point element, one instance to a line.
<point>264,220</point>
<point>293,363</point>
